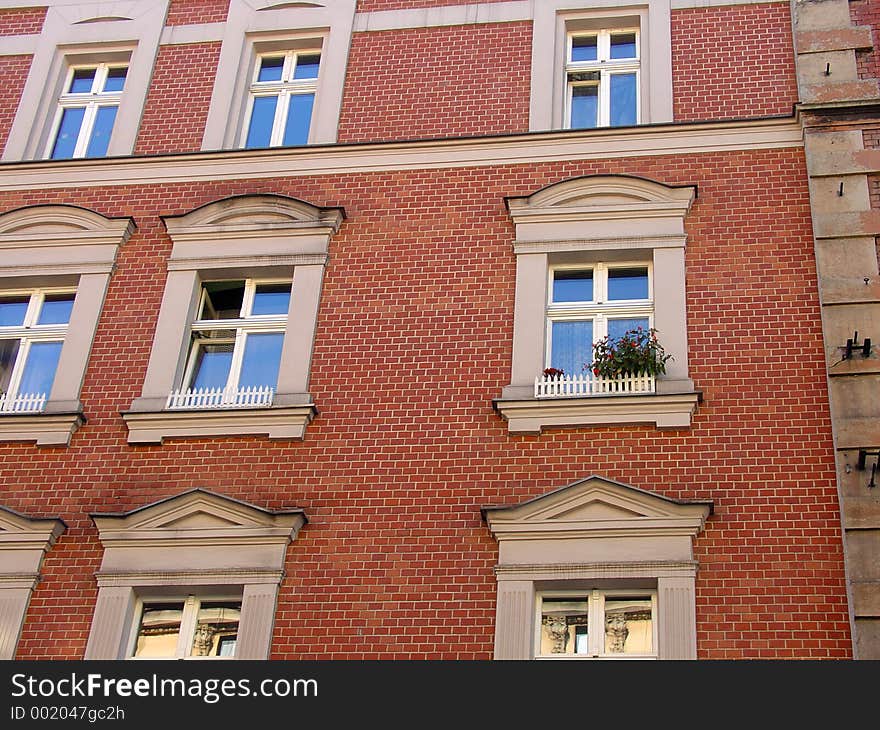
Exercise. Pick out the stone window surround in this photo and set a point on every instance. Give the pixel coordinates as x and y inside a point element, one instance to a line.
<point>77,34</point>
<point>586,220</point>
<point>555,19</point>
<point>60,245</point>
<point>596,533</point>
<point>24,542</point>
<point>197,542</point>
<point>254,27</point>
<point>252,236</point>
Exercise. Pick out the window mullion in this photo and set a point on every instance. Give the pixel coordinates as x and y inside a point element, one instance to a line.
<point>596,607</point>
<point>24,347</point>
<point>237,359</point>
<point>187,627</point>
<point>85,130</point>
<point>280,120</point>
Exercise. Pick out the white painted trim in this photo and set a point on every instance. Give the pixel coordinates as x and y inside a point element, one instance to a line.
<point>434,17</point>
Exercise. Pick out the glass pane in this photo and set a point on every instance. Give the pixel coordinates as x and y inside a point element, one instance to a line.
<point>159,630</point>
<point>307,67</point>
<point>572,286</point>
<point>115,79</point>
<point>271,68</point>
<point>68,132</point>
<point>8,353</point>
<point>271,299</point>
<point>262,119</point>
<point>628,626</point>
<point>82,81</point>
<point>623,45</point>
<point>623,100</point>
<point>262,356</point>
<point>564,626</point>
<point>39,369</point>
<point>56,309</point>
<point>223,300</point>
<point>572,346</point>
<point>12,310</point>
<point>299,119</point>
<point>584,48</point>
<point>101,131</point>
<point>617,328</point>
<point>584,107</point>
<point>628,283</point>
<point>216,628</point>
<point>212,366</point>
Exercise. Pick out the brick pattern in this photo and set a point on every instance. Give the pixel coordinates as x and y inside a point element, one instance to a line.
<point>13,71</point>
<point>871,138</point>
<point>179,98</point>
<point>365,6</point>
<point>867,12</point>
<point>395,562</point>
<point>874,190</point>
<point>732,62</point>
<point>184,12</point>
<point>437,82</point>
<point>18,21</point>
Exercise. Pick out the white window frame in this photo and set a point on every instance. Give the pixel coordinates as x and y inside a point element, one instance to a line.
<point>91,100</point>
<point>188,622</point>
<point>28,333</point>
<point>595,621</point>
<point>606,67</point>
<point>599,310</point>
<point>283,89</point>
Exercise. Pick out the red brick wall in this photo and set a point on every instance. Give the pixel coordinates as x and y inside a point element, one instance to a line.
<point>867,12</point>
<point>178,99</point>
<point>13,71</point>
<point>437,82</point>
<point>731,62</point>
<point>395,561</point>
<point>16,21</point>
<point>183,12</point>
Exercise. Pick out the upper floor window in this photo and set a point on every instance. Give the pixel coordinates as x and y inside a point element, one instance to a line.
<point>282,99</point>
<point>602,78</point>
<point>33,325</point>
<point>87,111</point>
<point>187,628</point>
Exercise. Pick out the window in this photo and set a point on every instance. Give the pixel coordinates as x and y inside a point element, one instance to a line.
<point>608,624</point>
<point>602,77</point>
<point>190,628</point>
<point>87,111</point>
<point>282,99</point>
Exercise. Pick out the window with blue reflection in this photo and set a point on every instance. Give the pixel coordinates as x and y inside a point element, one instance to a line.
<point>271,69</point>
<point>571,346</point>
<point>115,79</point>
<point>307,67</point>
<point>8,355</point>
<point>68,133</point>
<point>271,299</point>
<point>584,48</point>
<point>262,358</point>
<point>262,119</point>
<point>623,45</point>
<point>628,283</point>
<point>572,286</point>
<point>101,131</point>
<point>584,107</point>
<point>617,328</point>
<point>82,81</point>
<point>623,100</point>
<point>212,366</point>
<point>39,368</point>
<point>56,309</point>
<point>12,311</point>
<point>299,119</point>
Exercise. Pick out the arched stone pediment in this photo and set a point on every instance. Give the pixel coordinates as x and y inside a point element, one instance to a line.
<point>62,225</point>
<point>604,191</point>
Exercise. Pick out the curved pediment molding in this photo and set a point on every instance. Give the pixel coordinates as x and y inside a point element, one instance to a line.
<point>102,19</point>
<point>606,190</point>
<point>61,225</point>
<point>289,6</point>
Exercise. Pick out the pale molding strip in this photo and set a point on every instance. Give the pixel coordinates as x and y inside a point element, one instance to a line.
<point>222,263</point>
<point>19,45</point>
<point>444,15</point>
<point>178,35</point>
<point>187,577</point>
<point>644,569</point>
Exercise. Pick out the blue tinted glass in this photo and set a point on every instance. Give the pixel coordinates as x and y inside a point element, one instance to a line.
<point>627,283</point>
<point>270,69</point>
<point>573,286</point>
<point>39,370</point>
<point>68,132</point>
<point>623,45</point>
<point>271,299</point>
<point>8,356</point>
<point>617,328</point>
<point>584,107</point>
<point>262,356</point>
<point>262,118</point>
<point>82,81</point>
<point>307,67</point>
<point>584,49</point>
<point>12,311</point>
<point>299,119</point>
<point>56,309</point>
<point>572,346</point>
<point>115,79</point>
<point>101,132</point>
<point>212,366</point>
<point>623,100</point>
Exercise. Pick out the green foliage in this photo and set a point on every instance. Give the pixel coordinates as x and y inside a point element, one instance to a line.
<point>636,352</point>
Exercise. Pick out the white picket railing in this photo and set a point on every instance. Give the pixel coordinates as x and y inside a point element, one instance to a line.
<point>23,403</point>
<point>561,386</point>
<point>253,397</point>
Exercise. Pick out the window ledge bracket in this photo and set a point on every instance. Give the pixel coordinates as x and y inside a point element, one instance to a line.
<point>46,429</point>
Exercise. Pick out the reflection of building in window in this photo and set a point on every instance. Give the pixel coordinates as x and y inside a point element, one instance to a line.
<point>187,628</point>
<point>602,77</point>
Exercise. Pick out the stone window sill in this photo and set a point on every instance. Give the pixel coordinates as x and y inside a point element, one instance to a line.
<point>47,429</point>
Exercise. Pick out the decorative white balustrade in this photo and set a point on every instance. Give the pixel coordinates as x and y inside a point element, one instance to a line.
<point>23,403</point>
<point>221,398</point>
<point>565,386</point>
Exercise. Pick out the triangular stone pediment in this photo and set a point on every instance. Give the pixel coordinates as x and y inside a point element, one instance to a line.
<point>16,526</point>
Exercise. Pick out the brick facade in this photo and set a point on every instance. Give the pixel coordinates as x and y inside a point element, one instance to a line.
<point>866,12</point>
<point>16,21</point>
